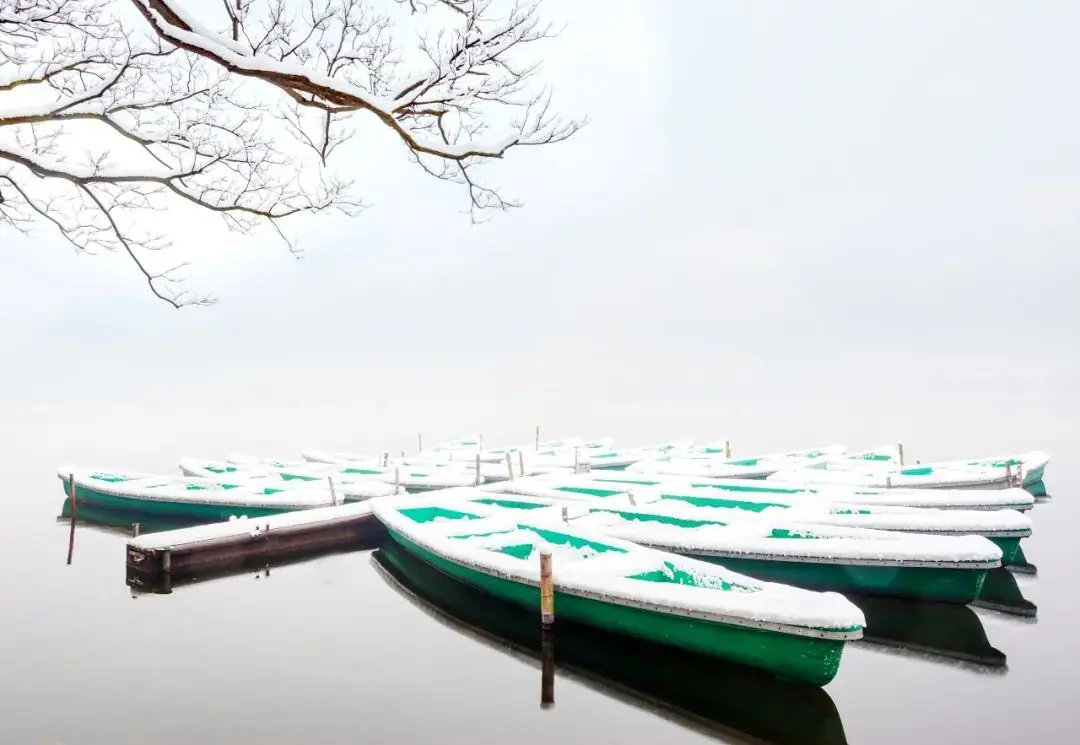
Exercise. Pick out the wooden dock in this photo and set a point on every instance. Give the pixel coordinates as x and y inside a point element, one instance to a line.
<point>155,560</point>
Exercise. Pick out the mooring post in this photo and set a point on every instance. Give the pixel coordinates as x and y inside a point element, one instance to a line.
<point>1008,476</point>
<point>1020,474</point>
<point>888,481</point>
<point>397,481</point>
<point>538,437</point>
<point>419,442</point>
<point>900,452</point>
<point>333,493</point>
<point>547,591</point>
<point>565,516</point>
<point>521,462</point>
<point>71,528</point>
<point>510,465</point>
<point>577,460</point>
<point>478,477</point>
<point>631,497</point>
<point>166,569</point>
<point>727,449</point>
<point>134,530</point>
<point>547,669</point>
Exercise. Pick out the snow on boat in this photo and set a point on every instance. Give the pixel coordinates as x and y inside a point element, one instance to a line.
<point>814,556</point>
<point>709,466</point>
<point>1026,468</point>
<point>410,478</point>
<point>187,497</point>
<point>911,477</point>
<point>1006,528</point>
<point>241,459</point>
<point>330,457</point>
<point>951,499</point>
<point>616,585</point>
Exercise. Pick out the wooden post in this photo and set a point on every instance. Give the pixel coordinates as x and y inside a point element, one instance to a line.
<point>630,496</point>
<point>900,452</point>
<point>333,493</point>
<point>565,516</point>
<point>1008,480</point>
<point>577,460</point>
<point>547,591</point>
<point>727,449</point>
<point>1020,475</point>
<point>888,481</point>
<point>521,462</point>
<point>537,437</point>
<point>510,465</point>
<point>134,530</point>
<point>419,442</point>
<point>397,481</point>
<point>71,529</point>
<point>166,568</point>
<point>479,478</point>
<point>403,453</point>
<point>547,669</point>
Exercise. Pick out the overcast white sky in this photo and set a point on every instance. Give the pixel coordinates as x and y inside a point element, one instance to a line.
<point>787,222</point>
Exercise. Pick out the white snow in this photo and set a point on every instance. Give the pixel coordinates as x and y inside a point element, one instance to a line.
<point>240,526</point>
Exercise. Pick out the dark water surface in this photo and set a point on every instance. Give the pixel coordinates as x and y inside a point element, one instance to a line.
<point>339,650</point>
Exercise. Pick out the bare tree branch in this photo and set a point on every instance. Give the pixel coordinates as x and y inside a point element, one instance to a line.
<point>110,109</point>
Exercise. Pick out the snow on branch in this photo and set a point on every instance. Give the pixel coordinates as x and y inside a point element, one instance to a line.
<point>111,109</point>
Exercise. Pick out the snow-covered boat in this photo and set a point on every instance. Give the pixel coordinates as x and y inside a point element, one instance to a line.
<point>814,556</point>
<point>617,585</point>
<point>187,497</point>
<point>949,499</point>
<point>711,466</point>
<point>920,476</point>
<point>1006,528</point>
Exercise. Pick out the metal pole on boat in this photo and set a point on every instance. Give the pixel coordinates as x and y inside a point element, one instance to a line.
<point>547,669</point>
<point>478,479</point>
<point>71,529</point>
<point>510,465</point>
<point>900,452</point>
<point>547,591</point>
<point>333,493</point>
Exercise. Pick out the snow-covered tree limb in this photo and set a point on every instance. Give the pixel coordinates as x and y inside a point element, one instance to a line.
<point>110,108</point>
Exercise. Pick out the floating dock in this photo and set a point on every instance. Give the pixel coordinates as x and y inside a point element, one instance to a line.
<point>155,560</point>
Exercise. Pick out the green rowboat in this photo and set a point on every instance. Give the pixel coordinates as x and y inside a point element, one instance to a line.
<point>813,556</point>
<point>619,586</point>
<point>1006,528</point>
<point>185,497</point>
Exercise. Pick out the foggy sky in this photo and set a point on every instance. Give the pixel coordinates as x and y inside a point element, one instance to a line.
<point>791,223</point>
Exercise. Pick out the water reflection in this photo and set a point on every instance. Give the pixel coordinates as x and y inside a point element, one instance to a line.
<point>1002,593</point>
<point>934,631</point>
<point>711,696</point>
<point>122,521</point>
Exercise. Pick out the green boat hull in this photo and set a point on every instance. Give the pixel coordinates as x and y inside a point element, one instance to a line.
<point>1010,547</point>
<point>946,585</point>
<point>803,658</point>
<point>199,512</point>
<point>1036,488</point>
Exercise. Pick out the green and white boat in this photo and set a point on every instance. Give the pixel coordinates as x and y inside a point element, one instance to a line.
<point>868,475</point>
<point>186,497</point>
<point>708,465</point>
<point>766,491</point>
<point>349,489</point>
<point>814,556</point>
<point>1006,528</point>
<point>411,478</point>
<point>616,585</point>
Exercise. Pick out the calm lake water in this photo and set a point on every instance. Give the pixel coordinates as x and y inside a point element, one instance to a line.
<point>332,650</point>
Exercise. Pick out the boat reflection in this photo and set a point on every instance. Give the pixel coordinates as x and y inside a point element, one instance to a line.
<point>121,521</point>
<point>1002,593</point>
<point>934,631</point>
<point>711,696</point>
